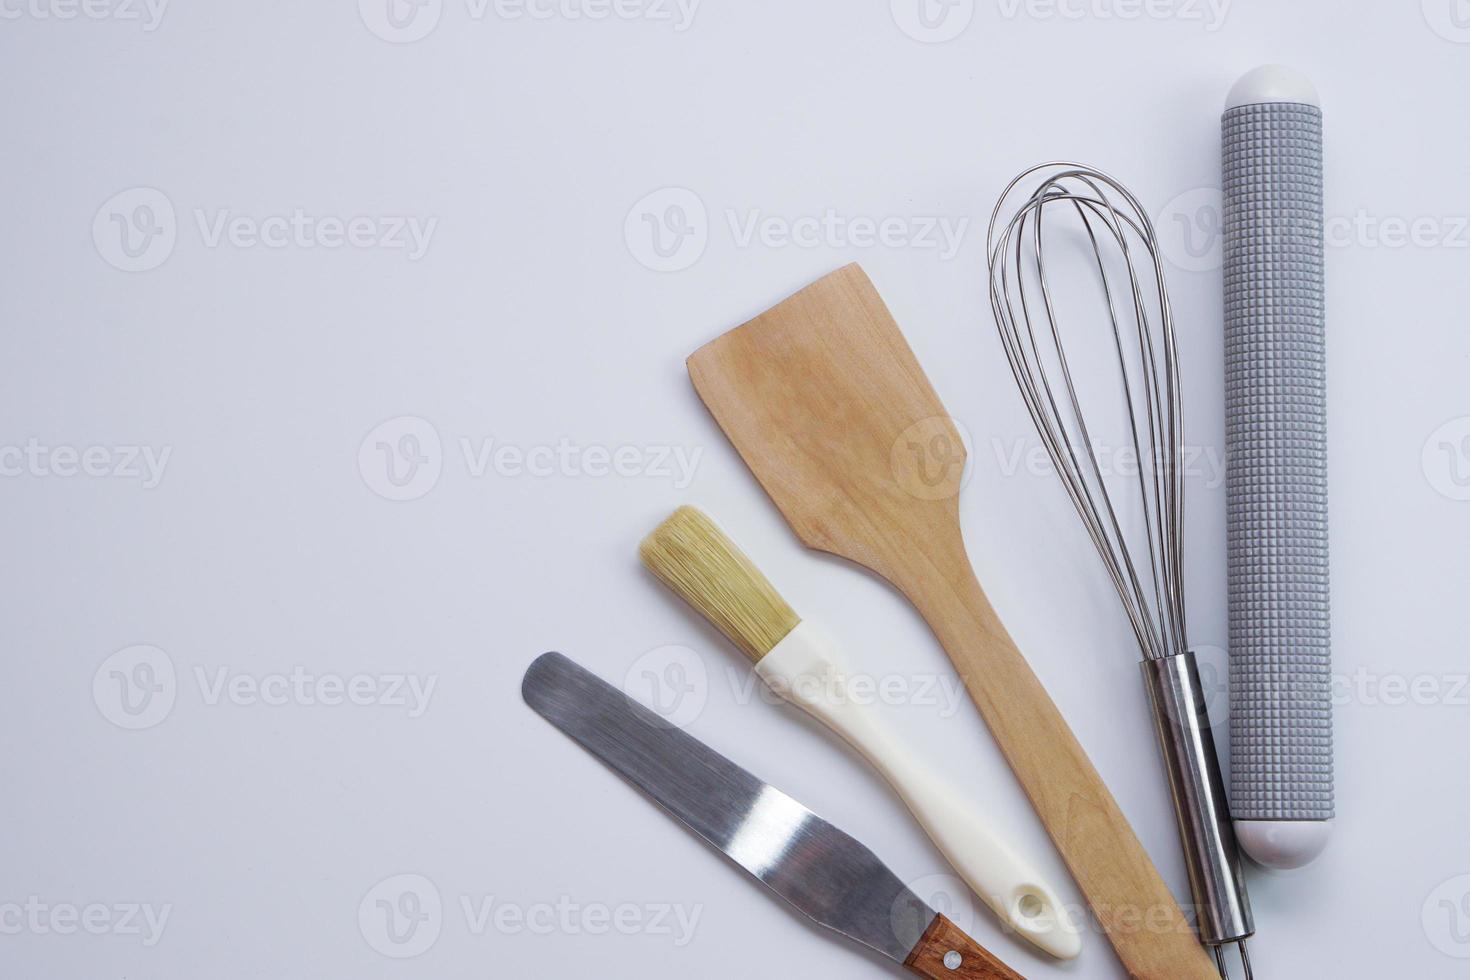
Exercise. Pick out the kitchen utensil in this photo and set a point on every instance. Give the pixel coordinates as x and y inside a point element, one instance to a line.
<point>1040,213</point>
<point>799,661</point>
<point>826,403</point>
<point>1276,484</point>
<point>814,866</point>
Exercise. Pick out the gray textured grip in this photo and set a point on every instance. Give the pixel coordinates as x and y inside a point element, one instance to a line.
<point>1276,446</point>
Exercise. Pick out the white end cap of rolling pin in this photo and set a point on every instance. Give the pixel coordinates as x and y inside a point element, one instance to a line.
<point>1283,845</point>
<point>1272,83</point>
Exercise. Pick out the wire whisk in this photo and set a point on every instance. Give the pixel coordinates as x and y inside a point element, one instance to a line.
<point>1121,252</point>
<point>1138,308</point>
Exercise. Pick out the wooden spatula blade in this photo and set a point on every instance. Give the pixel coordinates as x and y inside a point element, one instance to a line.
<point>827,404</point>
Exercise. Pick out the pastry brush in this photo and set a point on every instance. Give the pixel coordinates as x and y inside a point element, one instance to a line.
<point>803,665</point>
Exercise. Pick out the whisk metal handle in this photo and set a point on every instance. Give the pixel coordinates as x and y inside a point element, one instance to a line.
<point>1182,719</point>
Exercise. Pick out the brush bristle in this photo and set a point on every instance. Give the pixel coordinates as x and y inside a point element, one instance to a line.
<point>694,558</point>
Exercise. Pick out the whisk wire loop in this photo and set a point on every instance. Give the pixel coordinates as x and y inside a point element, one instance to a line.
<point>1116,230</point>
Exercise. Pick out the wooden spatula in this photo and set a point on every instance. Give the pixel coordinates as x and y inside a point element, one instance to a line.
<point>824,400</point>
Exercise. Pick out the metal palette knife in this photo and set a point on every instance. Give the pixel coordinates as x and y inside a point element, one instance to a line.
<point>815,867</point>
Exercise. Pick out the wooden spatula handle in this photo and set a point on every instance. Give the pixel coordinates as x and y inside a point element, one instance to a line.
<point>946,953</point>
<point>1131,901</point>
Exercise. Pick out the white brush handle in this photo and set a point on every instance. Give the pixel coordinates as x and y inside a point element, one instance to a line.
<point>804,669</point>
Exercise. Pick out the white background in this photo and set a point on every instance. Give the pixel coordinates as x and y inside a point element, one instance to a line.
<point>533,319</point>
